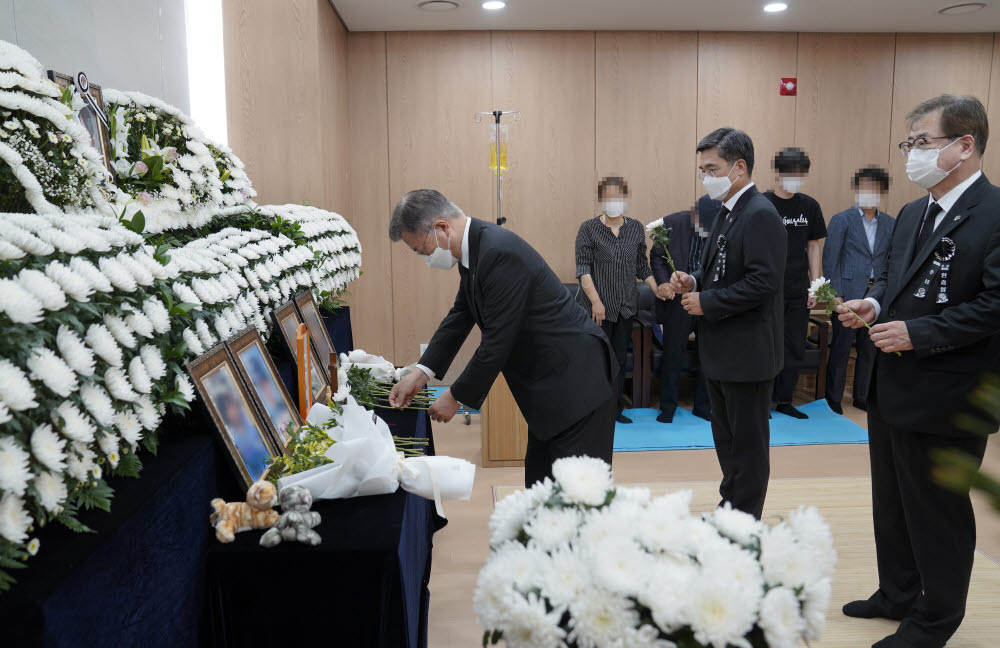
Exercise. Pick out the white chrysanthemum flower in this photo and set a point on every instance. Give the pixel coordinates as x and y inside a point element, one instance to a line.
<point>817,600</point>
<point>509,517</point>
<point>185,294</point>
<point>90,274</point>
<point>140,324</point>
<point>185,388</point>
<point>222,327</point>
<point>129,427</point>
<point>787,562</point>
<point>780,620</point>
<point>550,528</point>
<point>46,291</point>
<point>14,469</point>
<point>76,354</point>
<point>97,403</point>
<point>80,461</point>
<point>147,413</point>
<point>531,626</point>
<point>494,595</point>
<point>584,480</point>
<point>48,448</point>
<point>600,618</point>
<point>812,531</point>
<point>109,446</point>
<point>152,360</point>
<point>636,495</point>
<point>99,339</point>
<point>120,330</point>
<point>18,304</point>
<point>139,272</point>
<point>816,284</point>
<point>75,425</point>
<point>665,524</point>
<point>49,369</point>
<point>139,377</point>
<point>118,385</point>
<point>523,564</point>
<point>739,567</point>
<point>204,333</point>
<point>619,565</point>
<point>565,576</point>
<point>665,592</point>
<point>736,525</point>
<point>157,313</point>
<point>16,391</point>
<point>14,520</point>
<point>117,274</point>
<point>34,544</point>
<point>5,414</point>
<point>71,283</point>
<point>539,493</point>
<point>52,491</point>
<point>601,525</point>
<point>720,615</point>
<point>193,343</point>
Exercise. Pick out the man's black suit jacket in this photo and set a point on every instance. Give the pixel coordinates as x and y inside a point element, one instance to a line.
<point>740,336</point>
<point>557,362</point>
<point>955,343</point>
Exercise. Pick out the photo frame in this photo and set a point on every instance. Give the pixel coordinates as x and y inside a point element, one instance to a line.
<point>231,407</point>
<point>309,312</point>
<point>95,123</point>
<point>261,377</point>
<point>288,319</point>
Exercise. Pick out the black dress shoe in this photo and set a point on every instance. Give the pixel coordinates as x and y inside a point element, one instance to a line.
<point>621,418</point>
<point>836,407</point>
<point>892,641</point>
<point>869,609</point>
<point>664,417</point>
<point>788,410</point>
<point>704,415</point>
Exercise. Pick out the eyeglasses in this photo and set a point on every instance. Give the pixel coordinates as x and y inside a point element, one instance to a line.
<point>921,143</point>
<point>701,175</point>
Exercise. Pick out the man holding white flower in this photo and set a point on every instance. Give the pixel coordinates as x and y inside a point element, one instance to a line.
<point>936,314</point>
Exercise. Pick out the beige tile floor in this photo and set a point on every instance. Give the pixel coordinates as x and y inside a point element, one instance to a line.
<point>461,548</point>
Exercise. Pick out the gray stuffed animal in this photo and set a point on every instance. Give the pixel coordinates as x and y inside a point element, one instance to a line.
<point>296,522</point>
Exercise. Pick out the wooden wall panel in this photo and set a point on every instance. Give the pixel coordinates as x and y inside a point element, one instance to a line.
<point>647,84</point>
<point>333,109</point>
<point>435,83</point>
<point>371,294</point>
<point>843,110</point>
<point>991,161</point>
<point>550,187</point>
<point>738,79</point>
<point>928,65</point>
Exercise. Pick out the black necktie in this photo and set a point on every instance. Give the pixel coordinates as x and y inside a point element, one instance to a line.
<point>927,227</point>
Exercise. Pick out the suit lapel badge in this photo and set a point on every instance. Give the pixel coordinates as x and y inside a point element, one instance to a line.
<point>957,216</point>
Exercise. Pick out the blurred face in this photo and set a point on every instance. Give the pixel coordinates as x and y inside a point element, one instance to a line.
<point>612,192</point>
<point>867,185</point>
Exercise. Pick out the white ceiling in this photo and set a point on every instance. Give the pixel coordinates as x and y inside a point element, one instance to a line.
<point>694,15</point>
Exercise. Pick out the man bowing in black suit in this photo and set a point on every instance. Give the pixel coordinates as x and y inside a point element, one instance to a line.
<point>557,362</point>
<point>937,304</point>
<point>737,296</point>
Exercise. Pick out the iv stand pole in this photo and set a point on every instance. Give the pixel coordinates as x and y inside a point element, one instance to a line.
<point>497,114</point>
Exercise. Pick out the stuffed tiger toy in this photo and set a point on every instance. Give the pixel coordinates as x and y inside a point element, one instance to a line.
<point>229,518</point>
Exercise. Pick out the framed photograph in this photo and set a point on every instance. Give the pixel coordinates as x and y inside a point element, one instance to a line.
<point>95,122</point>
<point>317,329</point>
<point>288,320</point>
<point>230,405</point>
<point>261,376</point>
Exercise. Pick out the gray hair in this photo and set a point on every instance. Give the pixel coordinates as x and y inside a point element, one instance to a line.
<point>417,210</point>
<point>733,145</point>
<point>959,116</point>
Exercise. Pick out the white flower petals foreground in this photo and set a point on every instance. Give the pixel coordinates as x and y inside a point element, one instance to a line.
<point>579,563</point>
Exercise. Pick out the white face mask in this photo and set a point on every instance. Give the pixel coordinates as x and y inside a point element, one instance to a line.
<point>717,188</point>
<point>440,258</point>
<point>792,184</point>
<point>614,207</point>
<point>867,199</point>
<point>922,167</point>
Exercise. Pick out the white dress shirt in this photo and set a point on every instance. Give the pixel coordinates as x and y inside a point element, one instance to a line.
<point>729,204</point>
<point>465,264</point>
<point>947,201</point>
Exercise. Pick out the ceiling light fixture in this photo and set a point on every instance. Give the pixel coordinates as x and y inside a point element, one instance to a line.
<point>962,9</point>
<point>438,5</point>
<point>494,5</point>
<point>775,7</point>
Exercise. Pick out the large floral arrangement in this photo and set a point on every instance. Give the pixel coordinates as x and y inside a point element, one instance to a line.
<point>101,304</point>
<point>580,562</point>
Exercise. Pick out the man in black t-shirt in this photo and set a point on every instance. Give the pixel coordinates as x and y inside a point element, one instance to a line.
<point>806,229</point>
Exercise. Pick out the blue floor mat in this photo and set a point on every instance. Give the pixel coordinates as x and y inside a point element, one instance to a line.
<point>689,432</point>
<point>437,391</point>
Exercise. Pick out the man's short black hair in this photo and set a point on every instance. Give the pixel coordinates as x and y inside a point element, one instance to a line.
<point>733,145</point>
<point>791,160</point>
<point>876,173</point>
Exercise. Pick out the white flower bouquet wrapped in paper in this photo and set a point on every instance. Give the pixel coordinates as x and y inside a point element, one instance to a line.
<point>366,462</point>
<point>578,562</point>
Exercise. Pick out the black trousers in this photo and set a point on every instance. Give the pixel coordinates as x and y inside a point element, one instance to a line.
<point>796,329</point>
<point>742,441</point>
<point>836,370</point>
<point>619,333</point>
<point>592,436</point>
<point>925,534</point>
<point>677,328</point>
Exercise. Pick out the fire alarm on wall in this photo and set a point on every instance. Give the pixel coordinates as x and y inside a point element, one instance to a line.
<point>789,86</point>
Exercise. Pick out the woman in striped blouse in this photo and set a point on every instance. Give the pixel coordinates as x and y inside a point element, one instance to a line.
<point>610,256</point>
